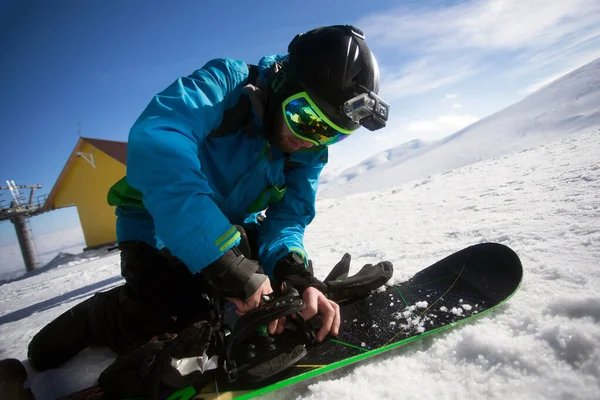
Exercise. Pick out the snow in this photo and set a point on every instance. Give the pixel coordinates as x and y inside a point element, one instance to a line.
<point>544,343</point>
<point>567,106</point>
<point>456,311</point>
<point>47,246</point>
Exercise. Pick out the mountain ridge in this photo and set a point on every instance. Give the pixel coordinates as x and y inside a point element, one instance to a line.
<point>568,105</point>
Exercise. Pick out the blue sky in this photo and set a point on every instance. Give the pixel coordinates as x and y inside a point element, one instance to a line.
<point>444,64</point>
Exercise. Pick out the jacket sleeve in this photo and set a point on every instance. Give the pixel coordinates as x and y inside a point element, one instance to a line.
<point>282,231</point>
<point>163,164</point>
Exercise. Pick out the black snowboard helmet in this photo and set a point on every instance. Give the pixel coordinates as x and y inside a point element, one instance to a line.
<point>333,65</point>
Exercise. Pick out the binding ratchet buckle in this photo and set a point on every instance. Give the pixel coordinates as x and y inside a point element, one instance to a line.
<point>252,355</point>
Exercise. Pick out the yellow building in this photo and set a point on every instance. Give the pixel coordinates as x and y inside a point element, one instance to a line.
<point>93,167</point>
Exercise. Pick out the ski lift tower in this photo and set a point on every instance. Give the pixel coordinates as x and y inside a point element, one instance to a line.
<point>18,212</point>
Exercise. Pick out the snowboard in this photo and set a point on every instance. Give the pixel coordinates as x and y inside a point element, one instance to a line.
<point>464,285</point>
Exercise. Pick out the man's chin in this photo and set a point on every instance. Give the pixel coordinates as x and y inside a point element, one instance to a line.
<point>285,147</point>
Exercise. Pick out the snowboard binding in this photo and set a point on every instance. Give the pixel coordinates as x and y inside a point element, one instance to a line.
<point>252,354</point>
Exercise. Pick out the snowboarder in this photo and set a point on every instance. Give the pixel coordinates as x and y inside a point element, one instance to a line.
<point>206,158</point>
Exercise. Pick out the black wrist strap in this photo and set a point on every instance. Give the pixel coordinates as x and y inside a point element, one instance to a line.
<point>291,269</point>
<point>234,275</point>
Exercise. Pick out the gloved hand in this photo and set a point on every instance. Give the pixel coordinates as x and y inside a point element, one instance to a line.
<point>234,275</point>
<point>337,285</point>
<point>341,287</point>
<point>291,269</point>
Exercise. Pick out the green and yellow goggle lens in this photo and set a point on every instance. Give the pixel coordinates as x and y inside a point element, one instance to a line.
<point>306,121</point>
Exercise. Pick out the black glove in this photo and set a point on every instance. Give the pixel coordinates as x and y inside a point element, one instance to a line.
<point>341,287</point>
<point>337,285</point>
<point>234,275</point>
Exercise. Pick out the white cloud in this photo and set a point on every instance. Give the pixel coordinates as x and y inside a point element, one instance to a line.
<point>424,75</point>
<point>439,127</point>
<point>480,49</point>
<point>450,96</point>
<point>570,65</point>
<point>448,44</point>
<point>491,24</point>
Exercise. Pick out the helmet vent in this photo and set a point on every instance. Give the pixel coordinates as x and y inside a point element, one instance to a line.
<point>356,32</point>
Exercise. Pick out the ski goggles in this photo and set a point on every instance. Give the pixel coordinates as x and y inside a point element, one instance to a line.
<point>309,123</point>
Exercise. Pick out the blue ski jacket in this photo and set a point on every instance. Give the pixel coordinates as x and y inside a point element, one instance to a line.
<point>195,187</point>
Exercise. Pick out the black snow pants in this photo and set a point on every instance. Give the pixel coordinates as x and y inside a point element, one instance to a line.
<point>160,295</point>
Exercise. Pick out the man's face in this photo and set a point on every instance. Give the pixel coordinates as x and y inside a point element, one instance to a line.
<point>285,139</point>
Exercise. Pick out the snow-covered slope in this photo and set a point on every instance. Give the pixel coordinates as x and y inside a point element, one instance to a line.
<point>567,106</point>
<point>543,344</point>
<point>47,246</point>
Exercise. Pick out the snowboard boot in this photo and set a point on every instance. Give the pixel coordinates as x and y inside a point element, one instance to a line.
<point>61,339</point>
<point>165,364</point>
